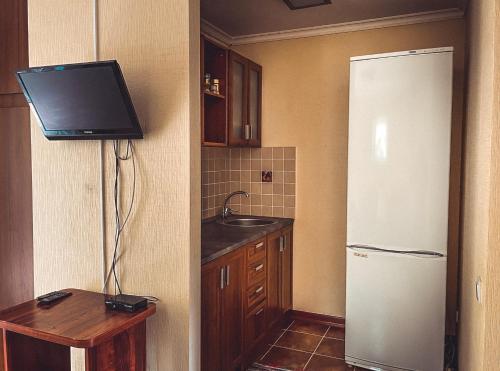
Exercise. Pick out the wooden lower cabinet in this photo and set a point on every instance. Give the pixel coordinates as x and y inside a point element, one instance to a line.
<point>232,311</point>
<point>244,293</point>
<point>255,325</point>
<point>279,274</point>
<point>222,312</point>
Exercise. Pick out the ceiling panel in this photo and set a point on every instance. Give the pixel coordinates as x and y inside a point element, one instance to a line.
<point>248,17</point>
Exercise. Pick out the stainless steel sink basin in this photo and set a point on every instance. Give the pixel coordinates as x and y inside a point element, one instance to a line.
<point>248,222</point>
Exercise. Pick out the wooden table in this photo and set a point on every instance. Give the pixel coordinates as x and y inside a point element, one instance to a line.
<point>38,338</point>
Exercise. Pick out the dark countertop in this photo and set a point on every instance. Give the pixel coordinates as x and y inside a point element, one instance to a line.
<point>218,239</point>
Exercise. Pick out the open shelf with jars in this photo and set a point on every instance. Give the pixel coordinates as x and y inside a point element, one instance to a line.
<point>213,93</point>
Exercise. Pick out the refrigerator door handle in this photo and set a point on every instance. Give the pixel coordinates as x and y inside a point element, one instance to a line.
<point>407,252</point>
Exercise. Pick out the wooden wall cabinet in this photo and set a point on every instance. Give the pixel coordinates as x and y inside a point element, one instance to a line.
<point>245,102</point>
<point>243,295</point>
<point>232,116</point>
<point>223,282</point>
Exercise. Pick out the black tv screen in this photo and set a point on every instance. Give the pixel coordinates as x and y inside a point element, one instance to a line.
<point>81,101</point>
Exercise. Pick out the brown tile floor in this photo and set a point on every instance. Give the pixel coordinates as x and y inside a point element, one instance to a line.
<point>306,346</point>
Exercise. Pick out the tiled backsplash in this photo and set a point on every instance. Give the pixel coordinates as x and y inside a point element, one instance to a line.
<point>226,170</point>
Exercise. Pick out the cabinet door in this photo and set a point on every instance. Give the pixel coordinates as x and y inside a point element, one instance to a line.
<point>255,325</point>
<point>254,103</point>
<point>273,278</point>
<point>286,271</point>
<point>210,317</point>
<point>232,309</point>
<point>14,43</point>
<point>238,97</point>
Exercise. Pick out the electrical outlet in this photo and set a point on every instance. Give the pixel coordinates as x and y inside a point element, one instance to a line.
<point>267,176</point>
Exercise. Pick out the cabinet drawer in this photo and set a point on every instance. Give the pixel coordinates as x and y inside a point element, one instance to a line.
<point>256,294</point>
<point>255,325</point>
<point>256,250</point>
<point>256,271</point>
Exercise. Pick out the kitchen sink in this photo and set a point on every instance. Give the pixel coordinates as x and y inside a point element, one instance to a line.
<point>247,222</point>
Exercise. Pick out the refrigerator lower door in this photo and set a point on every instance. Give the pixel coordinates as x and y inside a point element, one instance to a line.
<point>395,311</point>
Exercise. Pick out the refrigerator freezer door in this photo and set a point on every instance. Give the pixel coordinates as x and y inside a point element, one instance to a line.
<point>399,151</point>
<point>395,310</point>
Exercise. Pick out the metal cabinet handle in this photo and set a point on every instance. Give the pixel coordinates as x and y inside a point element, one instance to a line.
<point>248,131</point>
<point>227,275</point>
<point>259,311</point>
<point>259,245</point>
<point>282,243</point>
<point>259,267</point>
<point>259,290</point>
<point>222,278</point>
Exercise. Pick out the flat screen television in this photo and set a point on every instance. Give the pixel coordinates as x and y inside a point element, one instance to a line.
<point>81,101</point>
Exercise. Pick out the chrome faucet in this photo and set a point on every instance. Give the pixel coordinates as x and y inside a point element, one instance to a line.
<point>226,211</point>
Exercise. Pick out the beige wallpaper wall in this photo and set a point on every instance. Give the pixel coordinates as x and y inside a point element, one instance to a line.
<point>156,44</point>
<point>476,192</point>
<point>479,341</point>
<point>305,105</point>
<point>492,324</point>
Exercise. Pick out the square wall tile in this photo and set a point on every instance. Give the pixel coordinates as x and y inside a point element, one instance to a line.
<point>256,210</point>
<point>278,177</point>
<point>245,176</point>
<point>267,164</point>
<point>277,200</point>
<point>267,189</point>
<point>289,176</point>
<point>267,200</point>
<point>256,164</point>
<point>256,199</point>
<point>278,153</point>
<point>289,153</point>
<point>267,211</point>
<point>256,188</point>
<point>267,153</point>
<point>289,212</point>
<point>235,153</point>
<point>245,164</point>
<point>256,153</point>
<point>278,188</point>
<point>289,165</point>
<point>278,164</point>
<point>289,189</point>
<point>278,212</point>
<point>245,154</point>
<point>256,176</point>
<point>235,175</point>
<point>235,164</point>
<point>289,201</point>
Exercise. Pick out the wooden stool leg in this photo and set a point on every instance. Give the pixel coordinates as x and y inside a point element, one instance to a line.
<point>126,351</point>
<point>24,353</point>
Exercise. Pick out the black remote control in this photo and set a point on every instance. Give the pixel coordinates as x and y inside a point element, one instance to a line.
<point>52,297</point>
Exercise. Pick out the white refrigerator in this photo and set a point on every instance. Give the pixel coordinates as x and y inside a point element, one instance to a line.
<point>397,209</point>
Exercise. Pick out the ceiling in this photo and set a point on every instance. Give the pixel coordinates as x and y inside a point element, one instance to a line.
<point>249,17</point>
